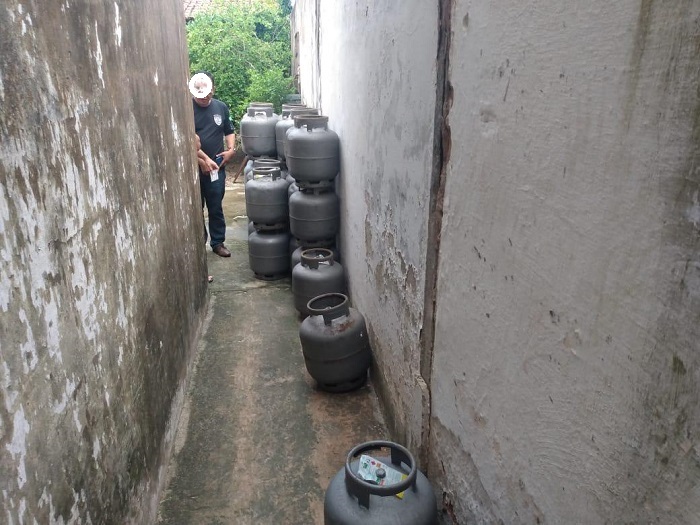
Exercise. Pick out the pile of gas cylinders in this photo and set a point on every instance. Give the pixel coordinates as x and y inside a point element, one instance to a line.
<point>290,186</point>
<point>294,215</point>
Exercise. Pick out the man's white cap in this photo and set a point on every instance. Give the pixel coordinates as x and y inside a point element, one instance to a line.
<point>200,85</point>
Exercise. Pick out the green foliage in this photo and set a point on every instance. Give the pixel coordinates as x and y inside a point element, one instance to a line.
<point>270,86</point>
<point>285,7</point>
<point>246,48</point>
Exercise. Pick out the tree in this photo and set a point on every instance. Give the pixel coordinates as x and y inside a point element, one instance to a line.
<point>247,50</point>
<point>285,7</point>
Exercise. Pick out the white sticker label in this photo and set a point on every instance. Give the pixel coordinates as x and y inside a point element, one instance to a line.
<point>214,174</point>
<point>368,471</point>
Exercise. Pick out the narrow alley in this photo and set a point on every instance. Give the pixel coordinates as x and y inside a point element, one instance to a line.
<point>516,204</point>
<point>257,442</point>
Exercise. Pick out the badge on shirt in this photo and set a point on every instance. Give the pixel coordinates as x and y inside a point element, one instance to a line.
<point>217,119</point>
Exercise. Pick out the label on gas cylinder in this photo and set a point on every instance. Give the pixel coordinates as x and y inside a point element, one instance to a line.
<point>368,471</point>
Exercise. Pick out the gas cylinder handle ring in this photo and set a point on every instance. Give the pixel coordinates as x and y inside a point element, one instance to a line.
<point>269,171</point>
<point>254,111</point>
<point>312,257</point>
<point>330,306</point>
<point>362,489</point>
<point>302,111</point>
<point>265,162</point>
<point>311,121</point>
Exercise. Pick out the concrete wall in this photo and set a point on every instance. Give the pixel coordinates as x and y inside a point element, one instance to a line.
<point>566,377</point>
<point>565,364</point>
<point>383,111</point>
<point>102,268</point>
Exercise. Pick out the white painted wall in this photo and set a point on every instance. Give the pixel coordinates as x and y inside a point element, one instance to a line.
<point>103,286</point>
<point>378,90</point>
<point>566,354</point>
<point>565,380</point>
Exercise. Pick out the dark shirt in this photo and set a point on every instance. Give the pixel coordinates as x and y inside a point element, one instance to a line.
<point>212,124</point>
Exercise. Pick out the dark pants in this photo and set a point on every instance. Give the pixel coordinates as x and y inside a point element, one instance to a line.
<point>213,196</point>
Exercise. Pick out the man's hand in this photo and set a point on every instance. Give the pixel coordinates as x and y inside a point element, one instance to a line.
<point>205,163</point>
<point>227,155</point>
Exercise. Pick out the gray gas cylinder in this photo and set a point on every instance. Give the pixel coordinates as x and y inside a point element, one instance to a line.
<point>334,343</point>
<point>293,245</point>
<point>289,124</point>
<point>268,254</point>
<point>266,199</point>
<point>248,170</point>
<point>288,106</point>
<point>264,162</point>
<point>293,188</point>
<point>314,214</point>
<point>296,254</point>
<point>351,499</point>
<point>267,162</point>
<point>315,275</point>
<point>286,122</point>
<point>283,124</point>
<point>312,149</point>
<point>258,131</point>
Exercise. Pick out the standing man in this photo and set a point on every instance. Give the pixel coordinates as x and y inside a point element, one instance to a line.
<point>213,125</point>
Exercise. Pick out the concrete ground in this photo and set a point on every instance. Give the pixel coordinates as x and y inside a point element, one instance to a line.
<point>257,443</point>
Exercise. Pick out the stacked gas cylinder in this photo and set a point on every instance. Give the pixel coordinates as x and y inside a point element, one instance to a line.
<point>333,335</point>
<point>296,191</point>
<point>265,194</point>
<point>312,154</point>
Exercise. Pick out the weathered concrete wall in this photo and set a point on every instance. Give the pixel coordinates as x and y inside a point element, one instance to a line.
<point>379,91</point>
<point>102,268</point>
<point>565,363</point>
